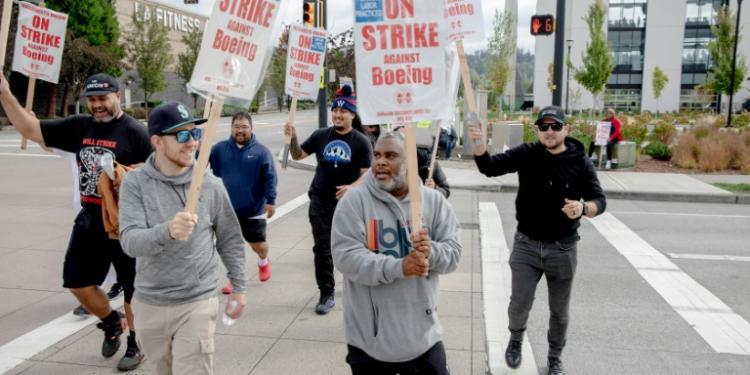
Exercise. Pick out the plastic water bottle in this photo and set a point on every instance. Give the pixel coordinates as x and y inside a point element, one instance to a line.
<point>226,319</point>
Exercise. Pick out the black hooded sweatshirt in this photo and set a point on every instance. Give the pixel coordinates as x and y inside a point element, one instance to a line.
<point>545,180</point>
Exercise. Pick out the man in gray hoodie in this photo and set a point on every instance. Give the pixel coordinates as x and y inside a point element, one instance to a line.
<point>175,302</point>
<point>391,279</point>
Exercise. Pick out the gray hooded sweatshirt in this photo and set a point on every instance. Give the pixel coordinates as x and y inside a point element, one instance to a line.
<point>390,317</point>
<point>172,272</point>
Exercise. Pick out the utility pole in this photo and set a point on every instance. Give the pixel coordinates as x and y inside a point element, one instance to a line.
<point>569,42</point>
<point>734,63</point>
<point>559,60</point>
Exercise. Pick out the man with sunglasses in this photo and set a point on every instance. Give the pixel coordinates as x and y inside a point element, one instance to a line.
<point>557,185</point>
<point>248,171</point>
<point>175,288</point>
<point>107,131</point>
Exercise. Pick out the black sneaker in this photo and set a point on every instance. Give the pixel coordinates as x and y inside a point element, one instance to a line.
<point>513,356</point>
<point>326,302</point>
<point>112,333</point>
<point>554,366</point>
<point>133,357</point>
<point>115,291</point>
<point>81,311</point>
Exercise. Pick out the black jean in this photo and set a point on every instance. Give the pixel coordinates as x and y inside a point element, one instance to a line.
<point>321,219</point>
<point>610,148</point>
<point>431,362</point>
<point>529,260</point>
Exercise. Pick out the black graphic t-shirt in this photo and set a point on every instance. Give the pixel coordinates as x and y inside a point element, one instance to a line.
<point>340,160</point>
<point>125,139</point>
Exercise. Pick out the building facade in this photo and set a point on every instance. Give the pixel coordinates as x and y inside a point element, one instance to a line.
<point>644,34</point>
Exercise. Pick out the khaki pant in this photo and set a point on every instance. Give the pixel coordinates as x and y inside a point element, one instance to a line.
<point>178,339</point>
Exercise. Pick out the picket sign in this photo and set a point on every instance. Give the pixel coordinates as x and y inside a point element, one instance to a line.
<point>440,125</point>
<point>473,116</point>
<point>601,138</point>
<point>206,143</point>
<point>207,108</point>
<point>288,139</point>
<point>412,177</point>
<point>4,30</point>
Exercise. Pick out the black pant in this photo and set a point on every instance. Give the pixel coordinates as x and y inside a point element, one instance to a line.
<point>529,260</point>
<point>431,362</point>
<point>321,219</point>
<point>610,148</point>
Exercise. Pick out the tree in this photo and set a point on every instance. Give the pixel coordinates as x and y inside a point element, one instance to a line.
<point>659,81</point>
<point>148,49</point>
<point>277,69</point>
<point>186,60</point>
<point>575,97</point>
<point>550,77</point>
<point>721,49</point>
<point>501,53</point>
<point>340,55</point>
<point>597,58</point>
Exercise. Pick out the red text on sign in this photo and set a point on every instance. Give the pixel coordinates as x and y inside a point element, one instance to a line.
<point>39,37</point>
<point>235,46</point>
<point>40,23</point>
<point>399,9</point>
<point>401,76</point>
<point>400,36</point>
<point>459,10</point>
<point>256,11</point>
<point>303,56</point>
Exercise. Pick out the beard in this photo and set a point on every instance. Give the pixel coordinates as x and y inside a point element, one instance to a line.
<point>396,183</point>
<point>338,127</point>
<point>176,160</point>
<point>245,140</point>
<point>112,113</point>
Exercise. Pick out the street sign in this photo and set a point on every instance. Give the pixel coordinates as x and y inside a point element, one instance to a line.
<point>542,25</point>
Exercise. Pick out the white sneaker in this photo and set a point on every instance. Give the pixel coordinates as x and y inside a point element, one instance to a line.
<point>609,165</point>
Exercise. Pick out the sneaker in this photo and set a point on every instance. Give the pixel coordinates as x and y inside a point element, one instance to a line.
<point>513,356</point>
<point>227,289</point>
<point>112,333</point>
<point>609,165</point>
<point>115,291</point>
<point>554,366</point>
<point>133,357</point>
<point>81,311</point>
<point>326,302</point>
<point>264,272</point>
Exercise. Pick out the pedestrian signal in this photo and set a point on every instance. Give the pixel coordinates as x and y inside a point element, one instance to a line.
<point>542,25</point>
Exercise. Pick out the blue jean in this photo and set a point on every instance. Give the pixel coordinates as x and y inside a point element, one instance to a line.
<point>529,260</point>
<point>448,147</point>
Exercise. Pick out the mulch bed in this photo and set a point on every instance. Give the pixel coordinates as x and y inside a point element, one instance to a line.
<point>647,164</point>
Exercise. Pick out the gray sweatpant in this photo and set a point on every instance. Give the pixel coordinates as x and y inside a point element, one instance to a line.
<point>528,261</point>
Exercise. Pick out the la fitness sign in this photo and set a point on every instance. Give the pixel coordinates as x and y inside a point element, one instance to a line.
<point>173,20</point>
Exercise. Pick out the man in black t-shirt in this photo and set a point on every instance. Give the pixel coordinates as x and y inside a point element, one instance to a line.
<point>344,155</point>
<point>108,131</point>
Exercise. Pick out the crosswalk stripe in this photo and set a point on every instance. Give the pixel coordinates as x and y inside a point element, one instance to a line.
<point>719,326</point>
<point>496,290</point>
<point>710,257</point>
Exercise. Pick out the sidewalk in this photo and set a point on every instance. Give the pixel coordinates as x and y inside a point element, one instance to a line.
<point>280,333</point>
<point>672,187</point>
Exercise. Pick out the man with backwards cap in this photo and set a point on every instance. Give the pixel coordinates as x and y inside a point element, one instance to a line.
<point>557,186</point>
<point>343,158</point>
<point>175,289</point>
<point>107,131</point>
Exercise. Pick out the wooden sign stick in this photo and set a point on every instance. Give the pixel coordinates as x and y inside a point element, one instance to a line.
<point>473,115</point>
<point>412,177</point>
<point>207,108</point>
<point>29,105</point>
<point>4,30</point>
<point>288,139</point>
<point>437,131</point>
<point>205,151</point>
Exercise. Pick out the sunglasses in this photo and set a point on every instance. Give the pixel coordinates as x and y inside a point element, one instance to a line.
<point>556,126</point>
<point>184,135</point>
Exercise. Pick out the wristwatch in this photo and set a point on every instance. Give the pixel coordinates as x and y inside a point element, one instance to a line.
<point>585,209</point>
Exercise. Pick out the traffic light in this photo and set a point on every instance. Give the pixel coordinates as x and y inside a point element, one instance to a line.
<point>542,25</point>
<point>308,13</point>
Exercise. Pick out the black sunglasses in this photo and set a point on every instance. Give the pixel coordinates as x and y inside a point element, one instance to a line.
<point>184,135</point>
<point>556,126</point>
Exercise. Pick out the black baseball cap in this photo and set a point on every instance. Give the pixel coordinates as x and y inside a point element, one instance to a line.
<point>554,112</point>
<point>169,116</point>
<point>100,84</point>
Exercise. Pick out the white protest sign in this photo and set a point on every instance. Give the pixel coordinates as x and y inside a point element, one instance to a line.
<point>234,47</point>
<point>464,17</point>
<point>346,81</point>
<point>39,42</point>
<point>304,61</point>
<point>400,56</point>
<point>602,133</point>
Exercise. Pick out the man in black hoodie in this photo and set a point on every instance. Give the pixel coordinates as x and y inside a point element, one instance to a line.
<point>557,186</point>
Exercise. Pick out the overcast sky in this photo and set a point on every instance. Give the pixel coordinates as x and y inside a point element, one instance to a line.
<point>340,17</point>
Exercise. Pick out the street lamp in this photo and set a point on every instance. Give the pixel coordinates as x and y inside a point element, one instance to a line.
<point>569,43</point>
<point>734,62</point>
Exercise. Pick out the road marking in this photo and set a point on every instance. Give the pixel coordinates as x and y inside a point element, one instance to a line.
<point>25,347</point>
<point>19,146</point>
<point>496,286</point>
<point>32,155</point>
<point>709,257</point>
<point>723,329</point>
<point>678,214</point>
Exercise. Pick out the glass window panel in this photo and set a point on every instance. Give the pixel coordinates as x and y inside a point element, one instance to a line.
<point>623,78</point>
<point>612,79</point>
<point>628,15</point>
<point>615,14</point>
<point>699,78</point>
<point>692,13</point>
<point>636,79</point>
<point>687,79</point>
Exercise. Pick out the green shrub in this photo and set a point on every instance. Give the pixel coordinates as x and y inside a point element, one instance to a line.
<point>137,112</point>
<point>658,150</point>
<point>637,133</point>
<point>529,132</point>
<point>664,133</point>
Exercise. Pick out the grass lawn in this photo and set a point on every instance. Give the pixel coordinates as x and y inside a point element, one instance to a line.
<point>735,188</point>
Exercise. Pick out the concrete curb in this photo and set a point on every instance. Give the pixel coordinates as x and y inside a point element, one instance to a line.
<point>294,163</point>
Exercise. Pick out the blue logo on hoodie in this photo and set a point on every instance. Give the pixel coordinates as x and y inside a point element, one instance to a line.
<point>337,152</point>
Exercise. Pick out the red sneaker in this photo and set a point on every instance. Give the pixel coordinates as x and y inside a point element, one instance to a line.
<point>227,289</point>
<point>264,272</point>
